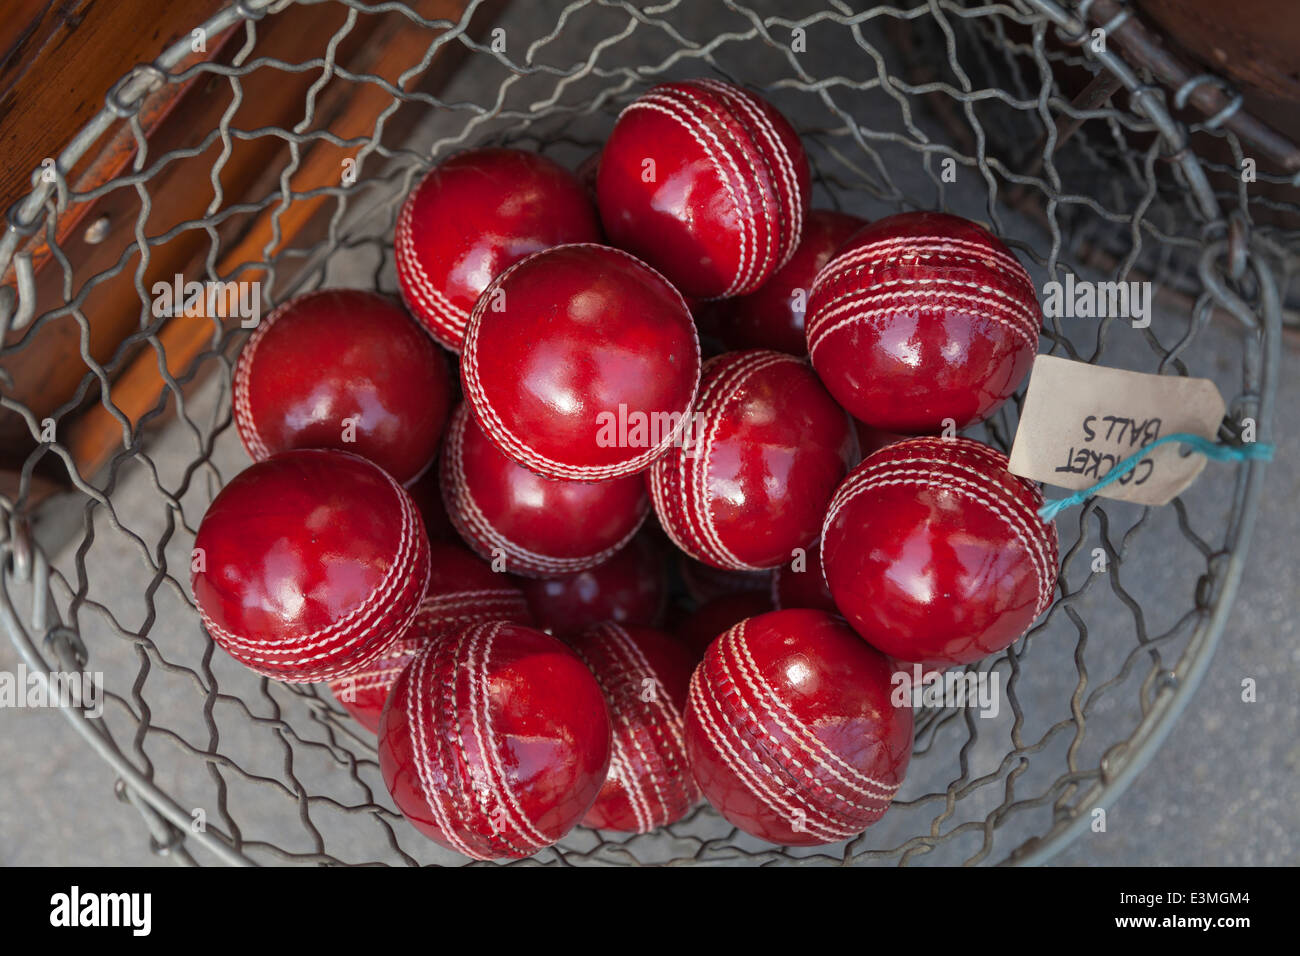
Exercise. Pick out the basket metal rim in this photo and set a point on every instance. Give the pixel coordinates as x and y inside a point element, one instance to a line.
<point>23,559</point>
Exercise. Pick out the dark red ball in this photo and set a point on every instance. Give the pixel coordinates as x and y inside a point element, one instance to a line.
<point>768,449</point>
<point>344,369</point>
<point>704,583</point>
<point>921,319</point>
<point>791,730</point>
<point>801,583</point>
<point>644,674</point>
<point>496,741</point>
<point>629,588</point>
<point>873,439</point>
<point>426,492</point>
<point>527,524</point>
<point>463,590</point>
<point>935,553</point>
<point>472,217</point>
<point>581,362</point>
<point>772,316</point>
<point>708,183</point>
<point>309,564</point>
<point>720,614</point>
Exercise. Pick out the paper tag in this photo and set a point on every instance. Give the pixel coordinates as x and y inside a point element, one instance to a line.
<point>1080,420</point>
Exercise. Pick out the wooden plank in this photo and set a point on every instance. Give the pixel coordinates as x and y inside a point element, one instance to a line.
<point>45,363</point>
<point>58,60</point>
<point>391,46</point>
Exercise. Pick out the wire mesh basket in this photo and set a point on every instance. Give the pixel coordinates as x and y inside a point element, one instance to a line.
<point>964,107</point>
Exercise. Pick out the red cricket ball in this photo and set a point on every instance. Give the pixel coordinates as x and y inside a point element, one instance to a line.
<point>920,318</point>
<point>873,439</point>
<point>496,741</point>
<point>309,564</point>
<point>791,731</point>
<point>629,588</point>
<point>463,590</point>
<point>581,362</point>
<point>426,492</point>
<point>644,674</point>
<point>772,316</point>
<point>586,173</point>
<point>935,552</point>
<point>718,615</point>
<point>769,447</point>
<point>704,583</point>
<point>534,526</point>
<point>473,216</point>
<point>344,369</point>
<point>801,583</point>
<point>708,183</point>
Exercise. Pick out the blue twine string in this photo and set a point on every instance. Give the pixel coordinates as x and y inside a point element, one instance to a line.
<point>1254,451</point>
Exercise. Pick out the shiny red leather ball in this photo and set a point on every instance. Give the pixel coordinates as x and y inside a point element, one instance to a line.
<point>936,553</point>
<point>426,492</point>
<point>791,731</point>
<point>345,369</point>
<point>801,583</point>
<point>495,742</point>
<point>581,362</point>
<point>769,447</point>
<point>629,588</point>
<point>873,439</point>
<point>527,524</point>
<point>720,614</point>
<point>463,590</point>
<point>473,216</point>
<point>309,564</point>
<point>772,316</point>
<point>708,183</point>
<point>644,675</point>
<point>923,318</point>
<point>704,582</point>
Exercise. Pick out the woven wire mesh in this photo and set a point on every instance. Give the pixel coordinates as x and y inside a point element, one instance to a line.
<point>931,105</point>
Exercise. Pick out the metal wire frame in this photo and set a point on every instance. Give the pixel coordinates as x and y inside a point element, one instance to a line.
<point>1153,201</point>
